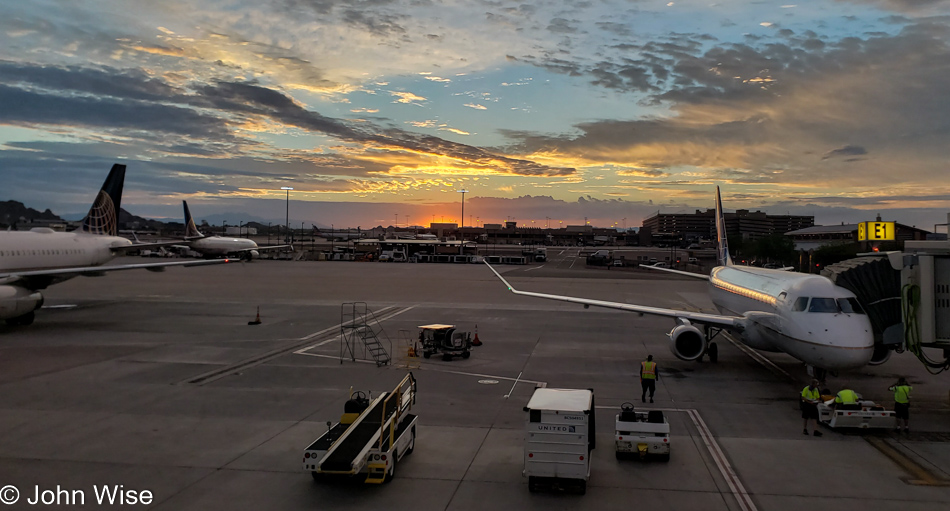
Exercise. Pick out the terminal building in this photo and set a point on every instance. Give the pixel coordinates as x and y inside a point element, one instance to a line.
<point>815,237</point>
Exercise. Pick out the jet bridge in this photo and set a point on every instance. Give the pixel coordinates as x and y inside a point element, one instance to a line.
<point>907,298</point>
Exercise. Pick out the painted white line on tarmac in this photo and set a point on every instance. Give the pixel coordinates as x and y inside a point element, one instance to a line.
<point>332,328</point>
<point>541,384</point>
<point>535,268</point>
<point>755,355</point>
<point>719,457</point>
<point>513,385</point>
<point>732,479</point>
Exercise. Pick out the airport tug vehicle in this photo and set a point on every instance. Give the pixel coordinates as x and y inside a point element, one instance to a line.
<point>559,438</point>
<point>371,437</point>
<point>642,434</point>
<point>865,415</point>
<point>444,339</point>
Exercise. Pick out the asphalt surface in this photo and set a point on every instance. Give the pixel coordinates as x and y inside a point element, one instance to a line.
<point>156,382</point>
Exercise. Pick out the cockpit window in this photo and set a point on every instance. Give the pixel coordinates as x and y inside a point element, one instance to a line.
<point>823,305</point>
<point>850,306</point>
<point>800,304</point>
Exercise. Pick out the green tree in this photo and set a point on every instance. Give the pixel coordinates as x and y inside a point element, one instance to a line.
<point>777,248</point>
<point>831,254</point>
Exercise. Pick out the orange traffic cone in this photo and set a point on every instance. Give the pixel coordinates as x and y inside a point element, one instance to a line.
<point>476,341</point>
<point>257,320</point>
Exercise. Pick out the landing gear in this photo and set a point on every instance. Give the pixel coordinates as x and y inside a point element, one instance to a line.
<point>712,349</point>
<point>818,374</point>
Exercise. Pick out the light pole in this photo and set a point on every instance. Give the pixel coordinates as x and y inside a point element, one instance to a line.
<point>287,220</point>
<point>463,192</point>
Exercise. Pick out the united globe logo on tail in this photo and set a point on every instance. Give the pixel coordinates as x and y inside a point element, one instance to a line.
<point>103,216</point>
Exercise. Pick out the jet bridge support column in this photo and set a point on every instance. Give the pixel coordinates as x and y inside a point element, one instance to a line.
<point>925,301</point>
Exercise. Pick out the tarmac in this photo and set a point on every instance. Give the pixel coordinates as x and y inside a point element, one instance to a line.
<point>155,381</point>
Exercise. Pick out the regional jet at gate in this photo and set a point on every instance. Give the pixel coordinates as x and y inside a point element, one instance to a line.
<point>212,246</point>
<point>805,316</point>
<point>33,260</point>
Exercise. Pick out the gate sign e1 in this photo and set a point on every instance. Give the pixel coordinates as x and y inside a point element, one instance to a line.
<point>876,231</point>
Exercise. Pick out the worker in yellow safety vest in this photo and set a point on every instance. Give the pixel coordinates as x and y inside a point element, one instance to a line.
<point>902,403</point>
<point>847,399</point>
<point>811,396</point>
<point>648,378</point>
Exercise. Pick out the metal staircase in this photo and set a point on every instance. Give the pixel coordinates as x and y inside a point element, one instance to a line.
<point>361,335</point>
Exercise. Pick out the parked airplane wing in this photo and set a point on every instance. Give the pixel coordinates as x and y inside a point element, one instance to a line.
<point>678,272</point>
<point>146,246</point>
<point>9,277</point>
<point>696,317</point>
<point>267,247</point>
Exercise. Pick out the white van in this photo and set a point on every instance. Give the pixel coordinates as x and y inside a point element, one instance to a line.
<point>559,438</point>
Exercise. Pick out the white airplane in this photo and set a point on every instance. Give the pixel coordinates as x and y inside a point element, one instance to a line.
<point>805,316</point>
<point>30,261</point>
<point>338,235</point>
<point>213,246</point>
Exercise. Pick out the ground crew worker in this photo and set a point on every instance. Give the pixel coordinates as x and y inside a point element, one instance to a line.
<point>811,396</point>
<point>648,378</point>
<point>902,403</point>
<point>847,399</point>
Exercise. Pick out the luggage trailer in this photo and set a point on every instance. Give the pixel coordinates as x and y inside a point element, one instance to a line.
<point>865,415</point>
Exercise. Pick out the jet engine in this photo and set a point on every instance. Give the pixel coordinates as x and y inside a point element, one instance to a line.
<point>687,341</point>
<point>16,301</point>
<point>881,354</point>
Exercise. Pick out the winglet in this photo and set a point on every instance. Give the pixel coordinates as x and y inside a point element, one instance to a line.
<point>721,237</point>
<point>191,230</point>
<point>103,216</point>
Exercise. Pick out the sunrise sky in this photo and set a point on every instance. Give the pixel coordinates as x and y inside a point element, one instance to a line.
<point>550,111</point>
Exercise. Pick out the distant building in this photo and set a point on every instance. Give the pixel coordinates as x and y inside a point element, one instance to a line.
<point>242,230</point>
<point>674,228</point>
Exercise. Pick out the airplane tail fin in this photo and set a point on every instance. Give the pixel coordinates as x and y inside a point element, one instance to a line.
<point>191,230</point>
<point>722,243</point>
<point>103,216</point>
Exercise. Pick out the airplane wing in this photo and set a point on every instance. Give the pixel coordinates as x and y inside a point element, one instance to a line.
<point>696,317</point>
<point>678,272</point>
<point>94,271</point>
<point>266,247</point>
<point>145,246</point>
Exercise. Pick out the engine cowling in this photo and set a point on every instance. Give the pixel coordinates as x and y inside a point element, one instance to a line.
<point>17,301</point>
<point>881,354</point>
<point>687,342</point>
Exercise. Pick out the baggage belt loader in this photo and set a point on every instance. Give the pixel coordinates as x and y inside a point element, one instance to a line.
<point>371,437</point>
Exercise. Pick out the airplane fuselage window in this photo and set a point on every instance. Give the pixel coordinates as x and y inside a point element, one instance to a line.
<point>823,305</point>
